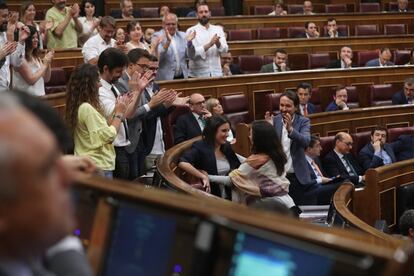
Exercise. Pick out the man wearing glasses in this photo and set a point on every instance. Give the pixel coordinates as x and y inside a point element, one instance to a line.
<point>191,124</point>
<point>340,161</point>
<point>406,95</point>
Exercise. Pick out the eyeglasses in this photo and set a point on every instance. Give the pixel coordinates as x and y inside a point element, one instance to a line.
<point>144,67</point>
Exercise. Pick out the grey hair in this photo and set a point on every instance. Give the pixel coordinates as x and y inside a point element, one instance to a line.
<point>169,14</point>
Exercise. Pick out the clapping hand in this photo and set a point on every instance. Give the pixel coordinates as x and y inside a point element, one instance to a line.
<point>190,36</point>
<point>287,120</point>
<point>8,48</point>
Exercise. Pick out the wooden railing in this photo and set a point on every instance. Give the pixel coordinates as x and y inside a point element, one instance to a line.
<point>377,200</point>
<point>343,204</point>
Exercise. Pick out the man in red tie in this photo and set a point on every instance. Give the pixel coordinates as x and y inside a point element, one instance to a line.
<point>304,91</point>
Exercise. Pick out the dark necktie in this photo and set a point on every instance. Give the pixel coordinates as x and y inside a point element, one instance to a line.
<point>353,171</point>
<point>123,121</point>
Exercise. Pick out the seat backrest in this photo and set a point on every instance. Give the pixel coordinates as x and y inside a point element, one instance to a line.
<point>395,29</point>
<point>369,7</point>
<point>327,144</point>
<point>57,82</point>
<point>261,10</point>
<point>343,29</point>
<point>381,94</point>
<point>268,33</point>
<point>316,99</point>
<point>394,133</point>
<point>293,32</point>
<point>236,108</point>
<point>319,60</point>
<point>335,8</point>
<point>401,57</point>
<point>368,29</point>
<point>217,11</point>
<point>268,59</point>
<point>250,64</point>
<point>294,9</point>
<point>360,139</point>
<point>353,101</point>
<point>392,6</point>
<point>168,123</point>
<point>364,56</point>
<point>272,102</point>
<point>242,34</point>
<point>149,12</point>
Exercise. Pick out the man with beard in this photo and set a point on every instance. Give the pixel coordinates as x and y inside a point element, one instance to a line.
<point>205,43</point>
<point>111,64</point>
<point>63,34</point>
<point>345,59</point>
<point>11,52</point>
<point>100,42</point>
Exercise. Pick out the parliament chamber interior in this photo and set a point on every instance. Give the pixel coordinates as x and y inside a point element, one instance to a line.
<point>167,222</point>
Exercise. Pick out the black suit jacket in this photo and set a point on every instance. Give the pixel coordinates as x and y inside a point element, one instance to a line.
<point>368,160</point>
<point>404,147</point>
<point>117,14</point>
<point>399,98</point>
<point>333,166</point>
<point>185,128</point>
<point>235,69</point>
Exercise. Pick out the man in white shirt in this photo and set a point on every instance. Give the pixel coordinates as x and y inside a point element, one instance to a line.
<point>206,42</point>
<point>111,64</point>
<point>96,44</point>
<point>308,8</point>
<point>11,53</point>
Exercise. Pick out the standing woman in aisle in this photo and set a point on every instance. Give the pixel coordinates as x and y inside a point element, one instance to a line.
<point>93,133</point>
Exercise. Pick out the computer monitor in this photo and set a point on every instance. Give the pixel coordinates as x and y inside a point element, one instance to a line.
<point>147,241</point>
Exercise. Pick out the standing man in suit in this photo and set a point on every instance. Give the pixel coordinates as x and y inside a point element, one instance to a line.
<point>294,132</point>
<point>332,29</point>
<point>377,153</point>
<point>340,100</point>
<point>383,60</point>
<point>206,42</point>
<point>138,63</point>
<point>172,50</point>
<point>229,68</point>
<point>191,124</point>
<point>345,59</point>
<point>340,161</point>
<point>304,91</point>
<point>406,95</point>
<point>279,63</point>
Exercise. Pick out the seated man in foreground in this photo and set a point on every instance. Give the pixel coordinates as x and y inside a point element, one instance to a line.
<point>377,153</point>
<point>340,161</point>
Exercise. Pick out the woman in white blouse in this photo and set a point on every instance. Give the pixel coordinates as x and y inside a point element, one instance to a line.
<point>88,20</point>
<point>33,72</point>
<point>27,17</point>
<point>134,32</point>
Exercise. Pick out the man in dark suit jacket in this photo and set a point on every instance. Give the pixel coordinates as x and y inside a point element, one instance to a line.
<point>332,29</point>
<point>345,60</point>
<point>406,95</point>
<point>340,100</point>
<point>404,147</point>
<point>310,31</point>
<point>229,68</point>
<point>383,60</point>
<point>294,132</point>
<point>191,124</point>
<point>279,63</point>
<point>340,161</point>
<point>304,91</point>
<point>377,153</point>
<point>321,187</point>
<point>126,12</point>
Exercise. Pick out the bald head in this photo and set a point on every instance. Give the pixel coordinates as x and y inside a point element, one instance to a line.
<point>169,22</point>
<point>343,142</point>
<point>197,103</point>
<point>35,206</point>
